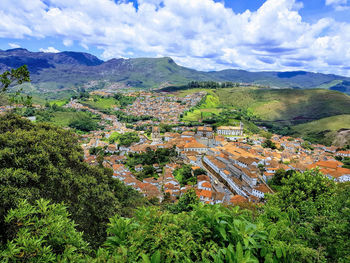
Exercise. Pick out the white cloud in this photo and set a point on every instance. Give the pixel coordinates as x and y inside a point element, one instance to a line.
<point>67,42</point>
<point>14,45</point>
<point>339,5</point>
<point>49,50</point>
<point>200,34</point>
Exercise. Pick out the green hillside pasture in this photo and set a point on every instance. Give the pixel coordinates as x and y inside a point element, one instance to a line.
<point>333,123</point>
<point>98,102</point>
<point>63,119</point>
<point>286,104</point>
<point>210,107</point>
<point>59,102</point>
<point>323,130</point>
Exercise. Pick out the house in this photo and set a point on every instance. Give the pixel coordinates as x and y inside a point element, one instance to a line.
<point>155,133</point>
<point>205,196</point>
<point>195,147</point>
<point>204,185</point>
<point>218,198</point>
<point>205,132</point>
<point>138,168</point>
<point>187,134</point>
<point>238,200</point>
<point>343,153</point>
<point>231,130</point>
<point>157,168</point>
<point>260,191</point>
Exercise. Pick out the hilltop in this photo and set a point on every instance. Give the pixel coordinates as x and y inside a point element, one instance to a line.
<point>82,69</point>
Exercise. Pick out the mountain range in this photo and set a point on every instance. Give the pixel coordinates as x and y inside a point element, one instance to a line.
<point>64,70</point>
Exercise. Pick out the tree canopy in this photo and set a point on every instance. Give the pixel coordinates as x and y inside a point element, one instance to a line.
<point>43,161</point>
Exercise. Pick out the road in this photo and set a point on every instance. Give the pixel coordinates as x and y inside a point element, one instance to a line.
<point>217,185</point>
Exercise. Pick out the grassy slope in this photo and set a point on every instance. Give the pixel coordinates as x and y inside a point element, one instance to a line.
<point>210,106</point>
<point>325,111</point>
<point>287,104</point>
<point>63,119</point>
<point>101,103</point>
<point>324,129</point>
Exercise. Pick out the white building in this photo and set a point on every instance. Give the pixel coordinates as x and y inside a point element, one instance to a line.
<point>231,130</point>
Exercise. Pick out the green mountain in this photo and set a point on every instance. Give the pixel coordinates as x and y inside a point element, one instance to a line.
<point>67,70</point>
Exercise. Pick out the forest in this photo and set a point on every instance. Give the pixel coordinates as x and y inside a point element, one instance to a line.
<point>56,208</point>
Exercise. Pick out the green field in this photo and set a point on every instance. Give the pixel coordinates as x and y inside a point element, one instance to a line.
<point>323,130</point>
<point>98,102</point>
<point>286,104</point>
<point>273,105</point>
<point>63,119</point>
<point>209,107</point>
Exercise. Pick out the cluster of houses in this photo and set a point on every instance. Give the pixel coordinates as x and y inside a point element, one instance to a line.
<point>241,166</point>
<point>238,168</point>
<point>165,108</point>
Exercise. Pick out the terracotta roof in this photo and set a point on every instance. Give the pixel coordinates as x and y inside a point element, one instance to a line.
<point>326,164</point>
<point>204,193</point>
<point>238,199</point>
<point>263,188</point>
<point>203,177</point>
<point>229,128</point>
<point>194,144</point>
<point>205,128</point>
<point>206,185</point>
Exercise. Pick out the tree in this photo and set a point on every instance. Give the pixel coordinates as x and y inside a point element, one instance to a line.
<point>43,161</point>
<point>83,123</point>
<point>186,202</point>
<point>17,76</point>
<point>313,209</point>
<point>42,232</point>
<point>269,144</point>
<point>199,172</point>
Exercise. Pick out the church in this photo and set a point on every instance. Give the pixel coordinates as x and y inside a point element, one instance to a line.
<point>231,130</point>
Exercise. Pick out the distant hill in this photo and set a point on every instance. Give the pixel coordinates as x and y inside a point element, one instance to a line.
<point>64,70</point>
<point>331,130</point>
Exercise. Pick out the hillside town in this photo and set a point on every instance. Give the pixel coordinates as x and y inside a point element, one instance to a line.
<point>228,165</point>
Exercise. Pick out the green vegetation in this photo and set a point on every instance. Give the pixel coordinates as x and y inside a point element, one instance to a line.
<point>125,139</point>
<point>184,175</point>
<point>43,232</point>
<point>99,103</point>
<point>103,103</point>
<point>269,144</point>
<point>123,117</point>
<point>208,107</point>
<point>59,103</point>
<point>83,123</point>
<point>14,77</point>
<point>147,159</point>
<point>323,130</point>
<point>306,220</point>
<point>43,161</point>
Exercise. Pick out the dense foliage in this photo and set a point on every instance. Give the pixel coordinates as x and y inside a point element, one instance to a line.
<point>184,175</point>
<point>123,117</point>
<point>42,161</point>
<point>125,139</point>
<point>269,144</point>
<point>84,123</point>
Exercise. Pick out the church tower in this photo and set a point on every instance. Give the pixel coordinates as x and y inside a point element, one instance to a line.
<point>241,126</point>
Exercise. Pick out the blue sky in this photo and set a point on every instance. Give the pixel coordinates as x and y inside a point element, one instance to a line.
<point>255,35</point>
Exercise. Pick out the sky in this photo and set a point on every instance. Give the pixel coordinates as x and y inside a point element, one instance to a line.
<point>255,35</point>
